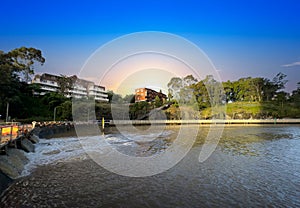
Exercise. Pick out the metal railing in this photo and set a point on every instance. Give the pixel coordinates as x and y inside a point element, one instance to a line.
<point>10,132</point>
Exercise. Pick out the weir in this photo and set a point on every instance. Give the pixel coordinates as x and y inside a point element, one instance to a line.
<point>204,122</point>
<point>16,140</point>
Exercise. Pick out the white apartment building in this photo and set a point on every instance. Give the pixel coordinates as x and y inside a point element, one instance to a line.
<point>81,88</point>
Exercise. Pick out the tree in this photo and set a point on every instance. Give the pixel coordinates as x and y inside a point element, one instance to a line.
<point>114,98</point>
<point>23,60</point>
<point>228,88</point>
<point>257,85</point>
<point>214,90</point>
<point>12,64</point>
<point>65,84</point>
<point>201,94</point>
<point>179,88</point>
<point>272,87</point>
<point>139,110</point>
<point>65,110</point>
<point>174,87</point>
<point>9,83</point>
<point>281,98</point>
<point>53,100</point>
<point>129,98</point>
<point>189,80</point>
<point>157,102</point>
<point>268,90</point>
<point>295,98</point>
<point>279,81</point>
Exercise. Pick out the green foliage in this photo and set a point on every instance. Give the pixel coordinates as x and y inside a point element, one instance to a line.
<point>114,98</point>
<point>257,110</point>
<point>173,112</point>
<point>157,102</point>
<point>65,111</point>
<point>103,110</point>
<point>65,84</point>
<point>129,98</point>
<point>247,97</point>
<point>139,110</point>
<point>179,88</point>
<point>53,99</point>
<point>295,98</point>
<point>23,60</point>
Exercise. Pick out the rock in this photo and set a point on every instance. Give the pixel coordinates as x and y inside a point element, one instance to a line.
<point>54,152</point>
<point>25,183</point>
<point>34,139</point>
<point>16,162</point>
<point>19,153</point>
<point>27,146</point>
<point>18,159</point>
<point>13,163</point>
<point>7,168</point>
<point>5,181</point>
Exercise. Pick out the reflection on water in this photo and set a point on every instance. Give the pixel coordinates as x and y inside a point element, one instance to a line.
<point>252,166</point>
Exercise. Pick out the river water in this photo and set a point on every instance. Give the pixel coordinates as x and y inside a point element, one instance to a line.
<point>252,166</point>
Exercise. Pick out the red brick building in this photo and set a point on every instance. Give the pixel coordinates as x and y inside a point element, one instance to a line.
<point>148,95</point>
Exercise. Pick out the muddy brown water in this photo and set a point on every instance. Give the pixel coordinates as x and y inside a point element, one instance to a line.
<point>252,166</point>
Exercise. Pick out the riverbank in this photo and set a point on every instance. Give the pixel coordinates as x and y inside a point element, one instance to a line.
<point>205,122</point>
<point>14,158</point>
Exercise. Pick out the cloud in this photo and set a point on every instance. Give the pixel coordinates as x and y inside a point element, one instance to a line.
<point>292,64</point>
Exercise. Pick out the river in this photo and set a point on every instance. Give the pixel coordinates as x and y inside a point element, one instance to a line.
<point>252,166</point>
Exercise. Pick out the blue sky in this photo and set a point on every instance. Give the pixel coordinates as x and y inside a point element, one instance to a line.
<point>242,38</point>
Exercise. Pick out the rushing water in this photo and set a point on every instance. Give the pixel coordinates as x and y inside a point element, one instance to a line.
<point>252,166</point>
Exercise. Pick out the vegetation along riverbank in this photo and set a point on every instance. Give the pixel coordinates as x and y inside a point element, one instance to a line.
<point>249,97</point>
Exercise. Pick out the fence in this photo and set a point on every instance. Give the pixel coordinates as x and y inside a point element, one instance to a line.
<point>10,132</point>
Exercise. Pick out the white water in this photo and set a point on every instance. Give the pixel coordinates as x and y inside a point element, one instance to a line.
<point>56,150</point>
<point>52,151</point>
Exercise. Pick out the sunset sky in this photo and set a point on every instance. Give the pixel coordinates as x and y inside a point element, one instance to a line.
<point>241,38</point>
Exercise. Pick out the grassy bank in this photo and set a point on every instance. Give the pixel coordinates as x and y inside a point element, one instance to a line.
<point>258,110</point>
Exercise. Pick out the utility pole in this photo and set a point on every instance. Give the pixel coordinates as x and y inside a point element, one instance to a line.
<point>7,110</point>
<point>54,113</point>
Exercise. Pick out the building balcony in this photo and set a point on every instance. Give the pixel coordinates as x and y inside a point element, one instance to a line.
<point>45,82</point>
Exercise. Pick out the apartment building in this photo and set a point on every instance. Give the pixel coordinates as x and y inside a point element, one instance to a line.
<point>80,88</point>
<point>148,95</point>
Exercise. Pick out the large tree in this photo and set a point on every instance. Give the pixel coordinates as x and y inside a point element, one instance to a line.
<point>179,88</point>
<point>24,59</point>
<point>12,65</point>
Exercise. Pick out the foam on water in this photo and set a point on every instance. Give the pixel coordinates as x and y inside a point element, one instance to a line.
<point>52,151</point>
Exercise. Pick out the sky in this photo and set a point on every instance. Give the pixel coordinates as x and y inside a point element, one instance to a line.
<point>241,38</point>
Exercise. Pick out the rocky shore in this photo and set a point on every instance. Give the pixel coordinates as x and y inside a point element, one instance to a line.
<point>13,161</point>
<point>5,182</point>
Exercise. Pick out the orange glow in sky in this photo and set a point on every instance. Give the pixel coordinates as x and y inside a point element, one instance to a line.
<point>144,70</point>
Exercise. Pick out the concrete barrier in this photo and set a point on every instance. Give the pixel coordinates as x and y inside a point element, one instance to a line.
<point>12,164</point>
<point>26,145</point>
<point>216,121</point>
<point>34,139</point>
